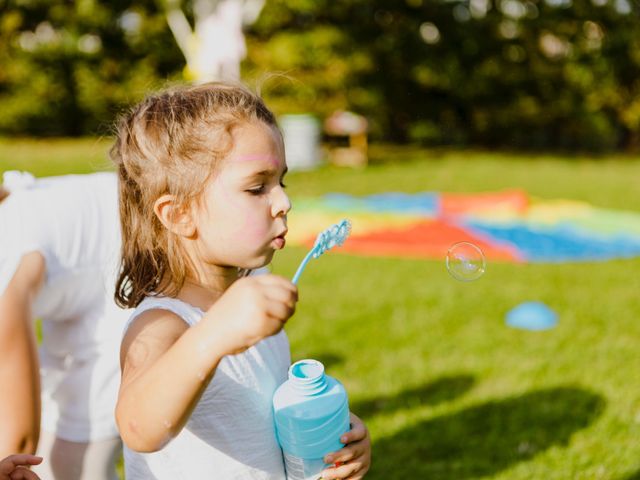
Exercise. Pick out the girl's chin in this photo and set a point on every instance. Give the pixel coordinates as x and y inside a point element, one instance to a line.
<point>259,262</point>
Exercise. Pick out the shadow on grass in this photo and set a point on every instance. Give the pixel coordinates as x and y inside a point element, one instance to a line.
<point>633,476</point>
<point>442,390</point>
<point>485,439</point>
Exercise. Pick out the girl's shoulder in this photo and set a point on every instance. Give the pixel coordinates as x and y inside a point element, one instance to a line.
<point>161,307</point>
<point>154,329</point>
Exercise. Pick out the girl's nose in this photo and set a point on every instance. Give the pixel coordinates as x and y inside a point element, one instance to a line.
<point>280,204</point>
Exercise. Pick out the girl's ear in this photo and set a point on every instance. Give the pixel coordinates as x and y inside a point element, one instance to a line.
<point>176,218</point>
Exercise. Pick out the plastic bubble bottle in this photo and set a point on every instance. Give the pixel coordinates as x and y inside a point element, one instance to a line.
<point>311,412</point>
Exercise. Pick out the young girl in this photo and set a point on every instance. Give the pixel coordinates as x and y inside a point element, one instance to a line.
<point>202,204</point>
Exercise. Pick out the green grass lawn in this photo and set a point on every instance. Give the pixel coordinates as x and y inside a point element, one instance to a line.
<point>446,389</point>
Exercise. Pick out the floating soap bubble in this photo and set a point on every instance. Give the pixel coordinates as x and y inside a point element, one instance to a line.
<point>465,261</point>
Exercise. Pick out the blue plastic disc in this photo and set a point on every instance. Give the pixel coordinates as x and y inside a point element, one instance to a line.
<point>532,316</point>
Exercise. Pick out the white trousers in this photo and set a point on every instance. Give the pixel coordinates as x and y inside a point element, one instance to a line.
<point>65,460</point>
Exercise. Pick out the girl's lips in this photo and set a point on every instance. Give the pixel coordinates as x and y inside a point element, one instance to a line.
<point>279,242</point>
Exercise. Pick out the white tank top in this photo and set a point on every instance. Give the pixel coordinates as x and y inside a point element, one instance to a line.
<point>230,434</point>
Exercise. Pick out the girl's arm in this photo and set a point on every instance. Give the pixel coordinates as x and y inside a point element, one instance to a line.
<point>19,368</point>
<point>162,379</point>
<point>166,365</point>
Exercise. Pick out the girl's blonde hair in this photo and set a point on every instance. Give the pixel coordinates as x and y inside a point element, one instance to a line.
<point>171,144</point>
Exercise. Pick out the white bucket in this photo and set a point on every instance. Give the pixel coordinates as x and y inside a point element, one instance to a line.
<point>301,135</point>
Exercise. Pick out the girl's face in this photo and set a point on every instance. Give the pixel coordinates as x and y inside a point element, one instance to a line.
<point>241,219</point>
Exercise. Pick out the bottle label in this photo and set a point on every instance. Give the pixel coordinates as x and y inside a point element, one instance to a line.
<point>303,468</point>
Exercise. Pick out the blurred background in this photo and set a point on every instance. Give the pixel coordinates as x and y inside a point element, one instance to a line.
<point>499,73</point>
<point>457,98</point>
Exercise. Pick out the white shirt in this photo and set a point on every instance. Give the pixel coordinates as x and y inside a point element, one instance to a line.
<point>230,434</point>
<point>73,222</point>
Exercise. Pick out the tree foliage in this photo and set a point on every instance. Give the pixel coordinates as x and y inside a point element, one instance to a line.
<point>68,67</point>
<point>515,73</point>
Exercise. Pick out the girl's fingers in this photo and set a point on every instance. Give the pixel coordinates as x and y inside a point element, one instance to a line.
<point>279,311</point>
<point>276,280</point>
<point>358,431</point>
<point>281,295</point>
<point>353,460</point>
<point>345,454</point>
<point>356,441</point>
<point>12,461</point>
<point>280,304</point>
<point>22,473</point>
<point>342,472</point>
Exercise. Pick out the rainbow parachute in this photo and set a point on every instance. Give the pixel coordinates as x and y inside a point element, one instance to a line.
<point>506,225</point>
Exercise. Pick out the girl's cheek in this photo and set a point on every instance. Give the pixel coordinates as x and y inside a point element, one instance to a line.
<point>254,226</point>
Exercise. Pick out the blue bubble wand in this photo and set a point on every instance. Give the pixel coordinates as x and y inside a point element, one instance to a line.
<point>327,239</point>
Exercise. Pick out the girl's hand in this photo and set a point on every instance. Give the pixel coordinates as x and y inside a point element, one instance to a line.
<point>353,461</point>
<point>254,308</point>
<point>16,467</point>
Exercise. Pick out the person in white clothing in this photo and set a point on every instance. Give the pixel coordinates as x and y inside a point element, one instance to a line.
<point>202,203</point>
<point>59,251</point>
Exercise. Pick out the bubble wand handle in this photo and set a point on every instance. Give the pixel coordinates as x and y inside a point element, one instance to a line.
<point>327,239</point>
<point>303,264</point>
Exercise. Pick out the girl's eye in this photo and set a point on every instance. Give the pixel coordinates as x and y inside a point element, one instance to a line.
<point>256,191</point>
